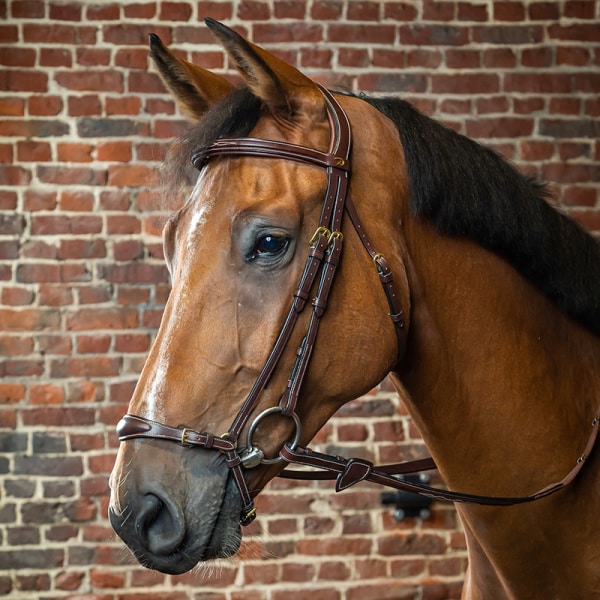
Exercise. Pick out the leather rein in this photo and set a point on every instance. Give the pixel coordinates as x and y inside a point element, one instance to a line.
<point>324,253</point>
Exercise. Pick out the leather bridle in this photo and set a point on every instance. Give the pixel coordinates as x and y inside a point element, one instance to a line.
<point>324,253</point>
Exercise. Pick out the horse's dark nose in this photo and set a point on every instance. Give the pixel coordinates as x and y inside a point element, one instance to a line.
<point>159,524</point>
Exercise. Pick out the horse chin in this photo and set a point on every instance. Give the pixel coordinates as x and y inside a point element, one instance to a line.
<point>207,530</point>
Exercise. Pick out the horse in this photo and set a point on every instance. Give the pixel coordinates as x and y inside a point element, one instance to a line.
<point>458,279</point>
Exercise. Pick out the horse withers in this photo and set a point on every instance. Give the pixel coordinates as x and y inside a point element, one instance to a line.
<point>456,277</point>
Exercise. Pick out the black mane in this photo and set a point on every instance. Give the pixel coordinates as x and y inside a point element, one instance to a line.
<point>468,190</point>
<point>464,188</point>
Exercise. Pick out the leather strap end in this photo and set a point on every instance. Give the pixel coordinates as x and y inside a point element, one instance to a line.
<point>356,470</point>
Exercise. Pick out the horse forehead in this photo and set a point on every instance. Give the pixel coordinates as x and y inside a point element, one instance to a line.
<point>251,185</point>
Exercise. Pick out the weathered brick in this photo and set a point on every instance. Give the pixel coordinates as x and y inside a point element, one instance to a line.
<point>19,488</point>
<point>31,559</point>
<point>44,443</point>
<point>67,466</point>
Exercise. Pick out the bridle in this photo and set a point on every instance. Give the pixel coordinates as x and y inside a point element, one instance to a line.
<point>324,253</point>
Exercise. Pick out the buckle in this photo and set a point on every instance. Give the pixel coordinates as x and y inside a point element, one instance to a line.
<point>185,432</point>
<point>318,233</point>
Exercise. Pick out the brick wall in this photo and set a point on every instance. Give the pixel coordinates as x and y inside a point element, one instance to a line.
<point>83,126</point>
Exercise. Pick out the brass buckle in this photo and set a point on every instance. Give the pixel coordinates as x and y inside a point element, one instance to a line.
<point>318,233</point>
<point>185,432</point>
<point>335,235</point>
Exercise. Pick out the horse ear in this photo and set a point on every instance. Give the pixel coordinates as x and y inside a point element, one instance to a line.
<point>279,85</point>
<point>194,89</point>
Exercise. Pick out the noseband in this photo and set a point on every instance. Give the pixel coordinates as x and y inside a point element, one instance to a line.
<point>324,253</point>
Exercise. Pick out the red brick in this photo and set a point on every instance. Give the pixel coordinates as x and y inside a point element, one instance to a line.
<point>93,57</point>
<point>314,58</point>
<point>362,34</point>
<point>463,59</point>
<point>69,580</point>
<point>253,10</point>
<point>131,58</point>
<point>55,57</point>
<point>509,11</point>
<point>11,345</point>
<point>57,34</point>
<point>140,10</point>
<point>532,150</point>
<point>129,105</point>
<point>499,58</point>
<point>76,201</point>
<point>46,394</point>
<point>88,344</point>
<point>175,11</point>
<point>129,34</point>
<point>326,10</point>
<point>11,393</point>
<point>86,319</point>
<point>77,249</point>
<point>79,106</point>
<point>14,107</point>
<point>84,391</point>
<point>74,152</point>
<point>91,80</point>
<point>29,319</point>
<point>25,81</point>
<point>269,33</point>
<point>34,151</point>
<point>581,32</point>
<point>114,151</point>
<point>65,12</point>
<point>579,196</point>
<point>572,55</point>
<point>472,12</point>
<point>17,57</point>
<point>363,11</point>
<point>438,11</point>
<point>334,571</point>
<point>128,250</point>
<point>16,296</point>
<point>315,593</point>
<point>462,83</point>
<point>44,105</point>
<point>290,9</point>
<point>71,175</point>
<point>55,295</point>
<point>132,343</point>
<point>579,9</point>
<point>109,12</point>
<point>400,11</point>
<point>546,11</point>
<point>216,10</point>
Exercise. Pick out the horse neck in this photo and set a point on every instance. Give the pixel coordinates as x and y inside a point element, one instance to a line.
<point>494,369</point>
<point>503,388</point>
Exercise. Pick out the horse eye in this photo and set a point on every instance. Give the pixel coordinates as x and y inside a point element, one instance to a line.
<point>269,246</point>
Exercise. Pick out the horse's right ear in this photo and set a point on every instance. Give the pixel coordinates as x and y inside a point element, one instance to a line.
<point>194,89</point>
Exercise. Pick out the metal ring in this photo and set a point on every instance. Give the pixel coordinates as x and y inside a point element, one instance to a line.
<point>262,415</point>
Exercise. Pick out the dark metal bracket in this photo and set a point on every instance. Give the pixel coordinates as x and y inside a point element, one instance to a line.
<point>407,504</point>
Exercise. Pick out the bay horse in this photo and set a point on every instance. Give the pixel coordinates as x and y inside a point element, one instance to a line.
<point>458,278</point>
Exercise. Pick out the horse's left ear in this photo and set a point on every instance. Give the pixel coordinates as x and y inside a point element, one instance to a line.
<point>194,89</point>
<point>280,86</point>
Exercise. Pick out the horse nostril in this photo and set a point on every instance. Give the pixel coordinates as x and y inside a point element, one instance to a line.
<point>160,525</point>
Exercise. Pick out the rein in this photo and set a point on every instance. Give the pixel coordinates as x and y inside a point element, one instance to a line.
<point>324,254</point>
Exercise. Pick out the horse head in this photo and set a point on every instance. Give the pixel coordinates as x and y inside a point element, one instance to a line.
<point>236,252</point>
